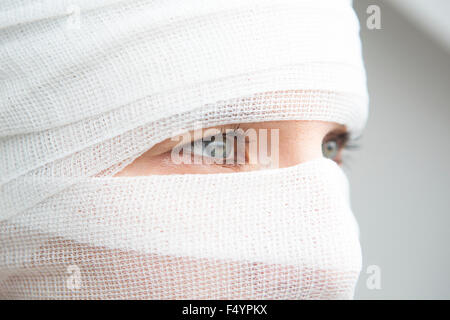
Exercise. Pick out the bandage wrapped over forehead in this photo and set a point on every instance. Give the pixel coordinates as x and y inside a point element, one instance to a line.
<point>86,87</point>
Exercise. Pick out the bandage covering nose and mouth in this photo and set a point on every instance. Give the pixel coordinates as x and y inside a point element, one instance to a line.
<point>86,91</point>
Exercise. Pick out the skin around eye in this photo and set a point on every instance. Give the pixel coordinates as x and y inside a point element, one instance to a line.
<point>298,141</point>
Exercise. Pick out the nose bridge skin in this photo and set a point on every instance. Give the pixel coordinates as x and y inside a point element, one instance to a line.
<point>300,141</point>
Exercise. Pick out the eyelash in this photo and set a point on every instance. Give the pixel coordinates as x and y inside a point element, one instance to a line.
<point>343,141</point>
<point>224,132</point>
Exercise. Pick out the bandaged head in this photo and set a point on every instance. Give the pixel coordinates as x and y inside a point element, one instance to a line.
<point>89,86</point>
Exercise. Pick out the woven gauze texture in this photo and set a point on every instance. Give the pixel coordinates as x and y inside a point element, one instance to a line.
<point>86,87</point>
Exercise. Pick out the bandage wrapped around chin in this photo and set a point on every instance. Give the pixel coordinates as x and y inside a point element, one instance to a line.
<point>86,91</point>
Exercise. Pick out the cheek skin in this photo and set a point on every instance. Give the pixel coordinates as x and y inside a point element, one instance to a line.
<point>162,164</point>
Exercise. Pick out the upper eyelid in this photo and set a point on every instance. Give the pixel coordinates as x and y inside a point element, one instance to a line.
<point>223,132</point>
<point>342,137</point>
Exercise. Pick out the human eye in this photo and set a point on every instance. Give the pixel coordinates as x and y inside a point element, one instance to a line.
<point>225,147</point>
<point>334,143</point>
<point>214,149</point>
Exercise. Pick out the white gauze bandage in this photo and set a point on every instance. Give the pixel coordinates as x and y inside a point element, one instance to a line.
<point>86,87</point>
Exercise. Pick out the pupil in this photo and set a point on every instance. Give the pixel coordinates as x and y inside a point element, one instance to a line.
<point>330,149</point>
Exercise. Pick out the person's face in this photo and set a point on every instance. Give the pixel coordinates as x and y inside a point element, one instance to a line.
<point>298,141</point>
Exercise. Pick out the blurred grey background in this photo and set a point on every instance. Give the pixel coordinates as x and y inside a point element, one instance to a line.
<point>400,177</point>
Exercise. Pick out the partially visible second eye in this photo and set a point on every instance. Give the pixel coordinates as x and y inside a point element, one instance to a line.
<point>330,149</point>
